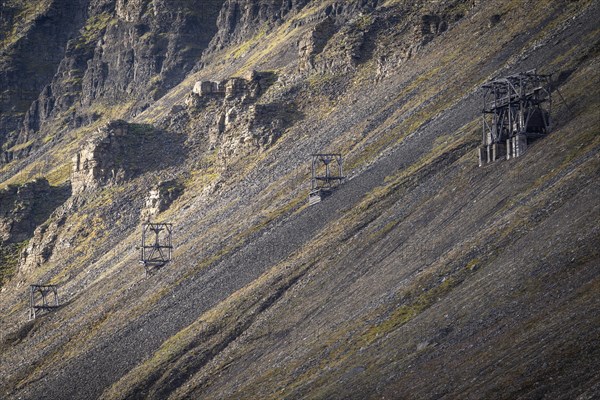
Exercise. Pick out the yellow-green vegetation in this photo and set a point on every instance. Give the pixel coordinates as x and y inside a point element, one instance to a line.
<point>47,166</point>
<point>415,298</point>
<point>571,54</point>
<point>455,68</point>
<point>589,139</point>
<point>175,186</point>
<point>473,264</point>
<point>55,168</point>
<point>362,154</point>
<point>383,230</point>
<point>363,22</point>
<point>202,178</point>
<point>418,299</point>
<point>9,259</point>
<point>212,330</point>
<point>26,13</point>
<point>405,313</point>
<point>93,29</point>
<point>379,222</point>
<point>141,129</point>
<point>265,43</point>
<point>24,175</point>
<point>80,227</point>
<point>20,146</point>
<point>317,80</point>
<point>156,80</point>
<point>244,47</point>
<point>269,44</point>
<point>6,145</point>
<point>584,142</point>
<point>59,175</point>
<point>88,229</point>
<point>110,111</point>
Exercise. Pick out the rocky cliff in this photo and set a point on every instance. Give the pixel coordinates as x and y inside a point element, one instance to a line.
<point>33,39</point>
<point>422,276</point>
<point>123,53</point>
<point>23,209</point>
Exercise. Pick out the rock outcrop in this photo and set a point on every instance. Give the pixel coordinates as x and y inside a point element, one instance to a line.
<point>234,120</point>
<point>242,19</point>
<point>41,246</point>
<point>313,43</point>
<point>234,89</point>
<point>338,41</point>
<point>421,30</point>
<point>147,47</point>
<point>160,198</point>
<point>425,30</point>
<point>23,208</point>
<point>101,161</point>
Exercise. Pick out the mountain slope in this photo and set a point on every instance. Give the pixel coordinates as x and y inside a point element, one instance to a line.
<point>422,276</point>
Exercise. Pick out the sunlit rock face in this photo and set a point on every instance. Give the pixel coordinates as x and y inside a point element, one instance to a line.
<point>100,162</point>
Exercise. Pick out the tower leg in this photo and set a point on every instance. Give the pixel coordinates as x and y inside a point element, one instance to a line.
<point>521,144</point>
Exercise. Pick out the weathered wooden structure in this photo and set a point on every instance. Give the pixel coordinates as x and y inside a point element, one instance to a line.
<point>42,298</point>
<point>516,111</point>
<point>324,180</point>
<point>157,246</point>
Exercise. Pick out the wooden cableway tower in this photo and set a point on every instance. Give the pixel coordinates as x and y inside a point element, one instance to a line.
<point>516,111</point>
<point>324,180</point>
<point>157,246</point>
<point>42,298</point>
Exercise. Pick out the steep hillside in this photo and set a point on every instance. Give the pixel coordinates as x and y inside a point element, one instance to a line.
<point>422,276</point>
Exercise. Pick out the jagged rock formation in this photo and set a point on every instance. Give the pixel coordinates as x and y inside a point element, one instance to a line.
<point>314,42</point>
<point>422,29</point>
<point>102,160</point>
<point>425,30</point>
<point>484,278</point>
<point>41,246</point>
<point>33,38</point>
<point>133,57</point>
<point>234,120</point>
<point>22,209</point>
<point>340,40</point>
<point>118,152</point>
<point>120,53</point>
<point>160,198</point>
<point>241,19</point>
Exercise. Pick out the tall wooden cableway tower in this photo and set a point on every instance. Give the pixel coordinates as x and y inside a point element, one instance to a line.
<point>516,111</point>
